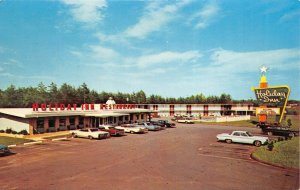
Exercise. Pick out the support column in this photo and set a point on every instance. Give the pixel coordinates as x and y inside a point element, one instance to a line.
<point>56,123</point>
<point>67,120</point>
<point>76,121</point>
<point>32,125</point>
<point>86,122</point>
<point>46,124</point>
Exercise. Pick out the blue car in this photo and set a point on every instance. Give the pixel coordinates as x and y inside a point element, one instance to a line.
<point>4,149</point>
<point>149,126</point>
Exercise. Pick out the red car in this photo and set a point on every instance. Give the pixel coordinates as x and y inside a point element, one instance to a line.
<point>112,130</point>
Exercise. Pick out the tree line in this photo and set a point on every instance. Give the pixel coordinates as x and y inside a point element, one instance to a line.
<point>24,97</point>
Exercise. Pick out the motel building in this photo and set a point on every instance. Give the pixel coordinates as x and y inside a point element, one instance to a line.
<point>43,118</point>
<point>199,110</point>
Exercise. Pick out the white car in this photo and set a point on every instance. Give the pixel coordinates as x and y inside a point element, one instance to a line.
<point>242,137</point>
<point>91,133</point>
<point>186,120</point>
<point>131,128</point>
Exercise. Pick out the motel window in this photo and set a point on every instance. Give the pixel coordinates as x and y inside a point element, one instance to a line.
<point>72,120</point>
<point>51,122</point>
<point>62,121</point>
<point>142,116</point>
<point>81,120</point>
<point>40,123</point>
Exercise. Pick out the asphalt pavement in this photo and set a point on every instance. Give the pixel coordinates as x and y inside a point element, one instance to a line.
<point>186,157</point>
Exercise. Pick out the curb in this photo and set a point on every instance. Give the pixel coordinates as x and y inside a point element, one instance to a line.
<point>60,139</point>
<point>271,164</point>
<point>30,143</point>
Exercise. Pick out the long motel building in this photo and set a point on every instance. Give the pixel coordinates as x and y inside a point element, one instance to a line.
<point>169,110</point>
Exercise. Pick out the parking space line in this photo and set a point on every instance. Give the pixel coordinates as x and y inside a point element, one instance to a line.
<point>229,158</point>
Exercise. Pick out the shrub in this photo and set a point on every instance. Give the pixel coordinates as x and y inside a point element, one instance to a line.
<point>23,132</point>
<point>8,130</point>
<point>14,132</point>
<point>2,131</point>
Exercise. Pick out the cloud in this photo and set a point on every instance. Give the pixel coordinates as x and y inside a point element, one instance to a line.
<point>6,75</point>
<point>227,60</point>
<point>103,53</point>
<point>86,11</point>
<point>2,49</point>
<point>290,15</point>
<point>13,62</point>
<point>27,77</point>
<point>154,18</point>
<point>168,57</point>
<point>208,14</point>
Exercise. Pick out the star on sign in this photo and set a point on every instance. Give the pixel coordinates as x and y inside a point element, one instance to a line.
<point>264,69</point>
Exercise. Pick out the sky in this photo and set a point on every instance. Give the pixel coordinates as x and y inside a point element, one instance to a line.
<point>167,48</point>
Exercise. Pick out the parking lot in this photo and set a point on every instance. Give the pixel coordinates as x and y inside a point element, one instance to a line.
<point>186,157</point>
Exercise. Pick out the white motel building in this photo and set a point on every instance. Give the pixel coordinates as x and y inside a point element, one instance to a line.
<point>169,110</point>
<point>43,118</point>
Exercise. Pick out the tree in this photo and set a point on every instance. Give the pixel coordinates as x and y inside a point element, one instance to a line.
<point>140,97</point>
<point>83,94</point>
<point>68,94</point>
<point>225,98</point>
<point>54,95</point>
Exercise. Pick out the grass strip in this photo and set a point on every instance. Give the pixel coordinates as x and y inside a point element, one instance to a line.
<point>57,136</point>
<point>285,153</point>
<point>12,140</point>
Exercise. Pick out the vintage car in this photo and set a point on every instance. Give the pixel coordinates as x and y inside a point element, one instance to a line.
<point>91,133</point>
<point>132,128</point>
<point>149,126</point>
<point>185,120</point>
<point>156,123</point>
<point>113,131</point>
<point>242,137</point>
<point>4,149</point>
<point>167,123</point>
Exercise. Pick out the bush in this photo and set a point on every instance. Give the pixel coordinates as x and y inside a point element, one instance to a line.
<point>2,131</point>
<point>8,130</point>
<point>23,132</point>
<point>14,132</point>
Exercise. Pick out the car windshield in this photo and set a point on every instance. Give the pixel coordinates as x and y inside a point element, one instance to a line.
<point>93,130</point>
<point>249,134</point>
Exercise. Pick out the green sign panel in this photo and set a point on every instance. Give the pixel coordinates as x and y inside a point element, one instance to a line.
<point>273,97</point>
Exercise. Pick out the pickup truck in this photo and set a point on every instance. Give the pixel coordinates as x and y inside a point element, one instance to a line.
<point>242,137</point>
<point>276,129</point>
<point>91,133</point>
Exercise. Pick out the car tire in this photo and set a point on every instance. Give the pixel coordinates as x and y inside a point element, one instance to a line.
<point>257,143</point>
<point>90,137</point>
<point>228,141</point>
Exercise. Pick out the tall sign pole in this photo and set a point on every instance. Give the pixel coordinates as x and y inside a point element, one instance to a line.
<point>271,96</point>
